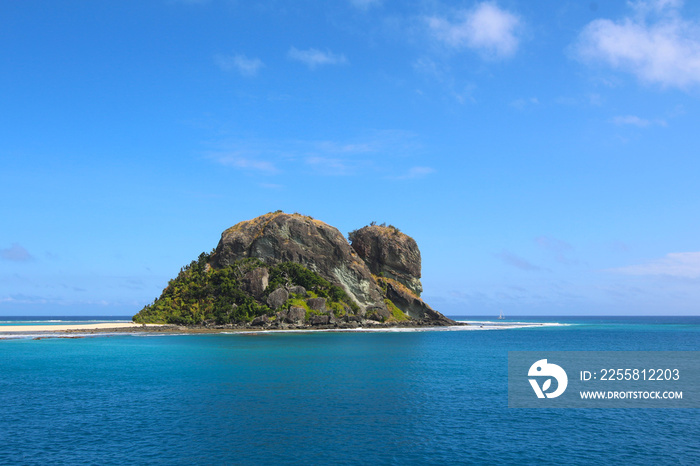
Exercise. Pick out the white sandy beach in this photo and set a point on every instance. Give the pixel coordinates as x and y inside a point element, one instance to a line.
<point>13,331</point>
<point>63,328</point>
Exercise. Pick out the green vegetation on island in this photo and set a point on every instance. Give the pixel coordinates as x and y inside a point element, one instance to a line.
<point>202,295</point>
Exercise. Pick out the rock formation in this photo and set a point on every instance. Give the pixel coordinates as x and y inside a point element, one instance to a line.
<point>280,270</point>
<point>278,237</point>
<point>389,253</point>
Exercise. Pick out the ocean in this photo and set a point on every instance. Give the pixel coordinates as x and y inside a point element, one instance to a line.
<point>394,397</point>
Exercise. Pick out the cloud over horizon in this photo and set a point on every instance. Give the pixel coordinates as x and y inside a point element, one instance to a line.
<point>678,264</point>
<point>16,253</point>
<point>654,43</point>
<point>486,28</point>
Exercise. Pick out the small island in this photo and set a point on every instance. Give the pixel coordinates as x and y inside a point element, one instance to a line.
<point>290,271</point>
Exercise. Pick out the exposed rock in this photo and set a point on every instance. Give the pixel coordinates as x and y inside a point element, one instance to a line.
<point>255,282</point>
<point>300,290</point>
<point>412,305</point>
<point>378,313</point>
<point>277,298</point>
<point>332,319</point>
<point>259,321</point>
<point>390,253</point>
<point>279,237</point>
<point>320,320</point>
<point>295,315</point>
<point>317,304</point>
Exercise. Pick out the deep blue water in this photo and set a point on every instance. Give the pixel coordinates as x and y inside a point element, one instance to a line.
<point>325,398</point>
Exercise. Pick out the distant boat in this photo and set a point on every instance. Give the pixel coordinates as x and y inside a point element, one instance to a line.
<point>501,316</point>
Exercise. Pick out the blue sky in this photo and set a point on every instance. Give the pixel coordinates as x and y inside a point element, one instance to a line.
<point>544,155</point>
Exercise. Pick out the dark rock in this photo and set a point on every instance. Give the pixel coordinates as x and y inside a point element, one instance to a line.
<point>390,253</point>
<point>259,321</point>
<point>296,315</point>
<point>379,314</point>
<point>279,237</point>
<point>320,320</point>
<point>277,298</point>
<point>300,290</point>
<point>255,282</point>
<point>317,304</point>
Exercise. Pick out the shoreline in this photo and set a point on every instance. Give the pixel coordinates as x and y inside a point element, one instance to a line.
<point>131,328</point>
<point>68,327</point>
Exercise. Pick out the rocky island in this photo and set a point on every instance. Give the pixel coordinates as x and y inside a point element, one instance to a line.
<point>286,271</point>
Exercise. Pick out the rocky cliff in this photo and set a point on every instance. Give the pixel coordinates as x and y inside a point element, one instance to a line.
<point>278,237</point>
<point>389,252</point>
<point>288,270</point>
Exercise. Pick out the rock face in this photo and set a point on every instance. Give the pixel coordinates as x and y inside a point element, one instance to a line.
<point>278,237</point>
<point>277,298</point>
<point>256,281</point>
<point>295,315</point>
<point>412,305</point>
<point>317,304</point>
<point>389,253</point>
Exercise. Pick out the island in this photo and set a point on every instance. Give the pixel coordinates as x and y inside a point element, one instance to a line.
<point>291,271</point>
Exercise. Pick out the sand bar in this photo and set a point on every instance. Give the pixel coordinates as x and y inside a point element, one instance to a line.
<point>83,330</point>
<point>68,328</point>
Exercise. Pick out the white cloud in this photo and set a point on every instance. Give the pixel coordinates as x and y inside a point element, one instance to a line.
<point>654,43</point>
<point>486,28</point>
<point>346,148</point>
<point>314,57</point>
<point>636,121</point>
<point>271,186</point>
<point>238,160</point>
<point>376,152</point>
<point>678,264</point>
<point>655,6</point>
<point>244,65</point>
<point>330,165</point>
<point>522,103</point>
<point>416,172</point>
<point>461,92</point>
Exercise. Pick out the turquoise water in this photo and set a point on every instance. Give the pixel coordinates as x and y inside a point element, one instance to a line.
<point>322,398</point>
<point>60,320</point>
